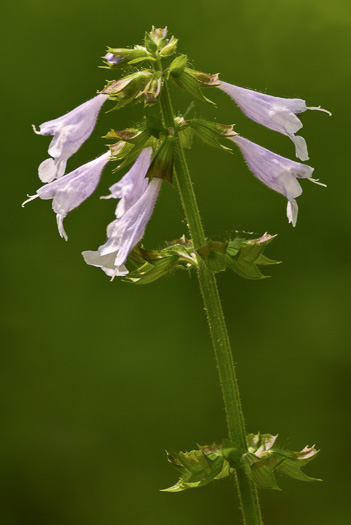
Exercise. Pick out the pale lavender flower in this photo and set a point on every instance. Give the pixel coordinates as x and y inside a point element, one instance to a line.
<point>69,132</point>
<point>275,113</point>
<point>132,186</point>
<point>278,173</point>
<point>126,231</point>
<point>70,191</point>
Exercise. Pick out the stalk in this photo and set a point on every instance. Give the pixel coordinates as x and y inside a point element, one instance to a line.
<point>235,420</point>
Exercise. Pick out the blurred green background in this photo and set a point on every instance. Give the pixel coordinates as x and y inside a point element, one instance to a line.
<point>98,378</point>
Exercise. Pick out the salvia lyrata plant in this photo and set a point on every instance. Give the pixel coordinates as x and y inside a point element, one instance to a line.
<point>154,153</point>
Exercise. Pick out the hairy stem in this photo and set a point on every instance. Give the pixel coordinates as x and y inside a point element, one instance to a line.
<point>220,340</point>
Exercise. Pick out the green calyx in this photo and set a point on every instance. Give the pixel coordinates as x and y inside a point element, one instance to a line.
<point>260,463</point>
<point>128,88</point>
<point>264,459</point>
<point>177,67</point>
<point>131,141</point>
<point>242,256</point>
<point>153,88</point>
<point>188,81</point>
<point>161,166</point>
<point>198,467</point>
<point>123,57</point>
<point>211,133</point>
<point>169,48</point>
<point>151,265</point>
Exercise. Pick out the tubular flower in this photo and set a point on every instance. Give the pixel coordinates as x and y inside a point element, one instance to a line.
<point>132,217</point>
<point>126,232</point>
<point>278,173</point>
<point>69,132</point>
<point>70,191</point>
<point>274,113</point>
<point>132,186</point>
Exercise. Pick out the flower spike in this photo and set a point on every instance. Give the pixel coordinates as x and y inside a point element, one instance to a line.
<point>278,173</point>
<point>70,191</point>
<point>69,132</point>
<point>276,113</point>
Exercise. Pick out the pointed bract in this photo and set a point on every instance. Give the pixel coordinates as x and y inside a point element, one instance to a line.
<point>69,132</point>
<point>276,113</point>
<point>278,173</point>
<point>70,191</point>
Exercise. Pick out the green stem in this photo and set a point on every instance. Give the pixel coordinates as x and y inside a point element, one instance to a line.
<point>220,340</point>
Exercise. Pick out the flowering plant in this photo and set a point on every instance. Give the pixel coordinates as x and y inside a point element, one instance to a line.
<point>154,152</point>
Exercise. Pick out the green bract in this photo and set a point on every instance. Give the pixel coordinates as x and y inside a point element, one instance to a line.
<point>240,255</point>
<point>162,164</point>
<point>260,462</point>
<point>198,467</point>
<point>152,265</point>
<point>177,66</point>
<point>210,132</point>
<point>119,58</point>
